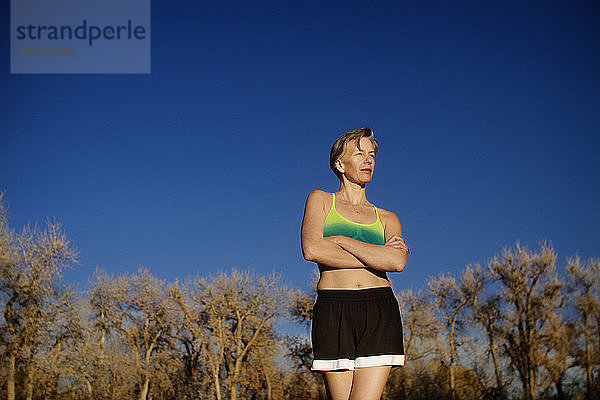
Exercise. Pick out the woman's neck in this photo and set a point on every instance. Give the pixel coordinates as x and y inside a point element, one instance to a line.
<point>352,192</point>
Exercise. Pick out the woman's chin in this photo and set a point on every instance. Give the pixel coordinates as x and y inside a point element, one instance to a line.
<point>361,180</point>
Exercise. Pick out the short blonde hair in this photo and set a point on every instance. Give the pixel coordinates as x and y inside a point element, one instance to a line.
<point>339,146</point>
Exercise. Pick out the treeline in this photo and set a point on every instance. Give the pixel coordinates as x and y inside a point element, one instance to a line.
<point>516,328</point>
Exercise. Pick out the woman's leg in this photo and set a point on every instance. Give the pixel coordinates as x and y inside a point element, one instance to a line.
<point>369,382</point>
<point>365,383</point>
<point>338,384</point>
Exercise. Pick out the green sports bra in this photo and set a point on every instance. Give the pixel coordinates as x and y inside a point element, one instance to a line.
<point>335,224</point>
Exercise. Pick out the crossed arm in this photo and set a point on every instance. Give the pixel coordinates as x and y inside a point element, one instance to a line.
<point>345,252</point>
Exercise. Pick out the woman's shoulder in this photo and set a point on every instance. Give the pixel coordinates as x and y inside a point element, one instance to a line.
<point>391,223</point>
<point>386,215</point>
<point>321,198</point>
<point>319,192</point>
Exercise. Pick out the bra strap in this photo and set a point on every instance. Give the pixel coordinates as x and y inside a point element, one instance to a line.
<point>333,208</point>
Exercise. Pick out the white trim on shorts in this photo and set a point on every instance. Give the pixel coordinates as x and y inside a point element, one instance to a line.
<point>368,361</point>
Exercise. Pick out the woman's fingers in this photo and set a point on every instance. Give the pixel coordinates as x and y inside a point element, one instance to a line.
<point>395,239</point>
<point>391,239</point>
<point>397,242</point>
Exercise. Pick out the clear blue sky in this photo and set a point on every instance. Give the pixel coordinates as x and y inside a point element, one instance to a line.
<point>487,115</point>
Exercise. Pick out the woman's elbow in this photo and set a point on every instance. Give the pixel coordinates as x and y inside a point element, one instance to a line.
<point>312,249</point>
<point>396,268</point>
<point>308,256</point>
<point>399,267</point>
<point>308,252</point>
<point>399,262</point>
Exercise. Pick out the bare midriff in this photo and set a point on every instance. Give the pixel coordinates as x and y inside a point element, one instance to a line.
<point>351,278</point>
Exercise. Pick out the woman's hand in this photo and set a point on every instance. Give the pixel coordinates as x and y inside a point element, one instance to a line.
<point>398,243</point>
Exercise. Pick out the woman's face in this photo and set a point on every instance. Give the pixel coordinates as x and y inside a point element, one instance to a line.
<point>358,164</point>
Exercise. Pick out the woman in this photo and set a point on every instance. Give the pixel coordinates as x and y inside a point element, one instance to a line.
<point>356,331</point>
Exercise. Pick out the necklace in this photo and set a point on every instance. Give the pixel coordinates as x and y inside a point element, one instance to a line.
<point>353,207</point>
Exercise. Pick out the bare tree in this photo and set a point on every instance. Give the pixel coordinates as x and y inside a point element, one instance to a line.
<point>136,308</point>
<point>584,283</point>
<point>486,312</point>
<point>531,294</point>
<point>105,357</point>
<point>556,352</point>
<point>448,297</point>
<point>420,324</point>
<point>192,333</point>
<point>57,353</point>
<point>145,321</point>
<point>301,382</point>
<point>422,330</point>
<point>241,309</point>
<point>31,264</point>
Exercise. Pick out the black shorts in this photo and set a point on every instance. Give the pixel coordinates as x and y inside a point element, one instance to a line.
<point>356,328</point>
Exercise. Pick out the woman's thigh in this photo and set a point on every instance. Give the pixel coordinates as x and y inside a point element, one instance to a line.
<point>338,384</point>
<point>361,384</point>
<point>369,382</point>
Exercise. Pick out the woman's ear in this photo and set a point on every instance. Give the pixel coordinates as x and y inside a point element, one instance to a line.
<point>339,166</point>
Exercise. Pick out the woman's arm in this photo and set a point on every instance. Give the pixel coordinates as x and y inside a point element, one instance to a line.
<point>389,257</point>
<point>314,246</point>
